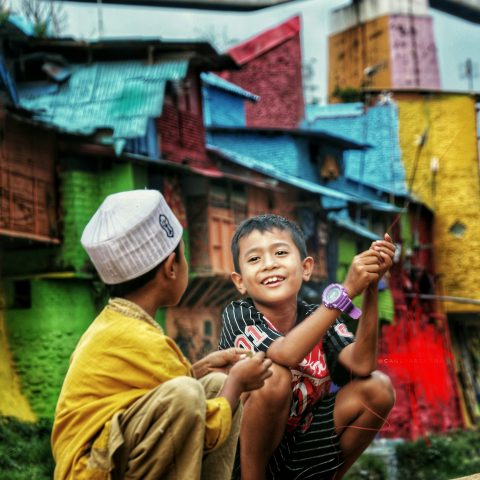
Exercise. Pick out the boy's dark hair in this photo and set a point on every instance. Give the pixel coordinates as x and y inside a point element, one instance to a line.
<point>125,288</point>
<point>266,223</point>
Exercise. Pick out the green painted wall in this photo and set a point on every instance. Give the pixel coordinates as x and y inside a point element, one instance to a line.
<point>347,249</point>
<point>82,193</point>
<point>12,401</point>
<point>43,337</point>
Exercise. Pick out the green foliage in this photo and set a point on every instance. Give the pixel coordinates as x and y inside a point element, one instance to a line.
<point>4,14</point>
<point>25,450</point>
<point>368,467</point>
<point>441,457</point>
<point>347,94</point>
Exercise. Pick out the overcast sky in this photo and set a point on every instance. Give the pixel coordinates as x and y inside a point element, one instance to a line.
<point>456,39</point>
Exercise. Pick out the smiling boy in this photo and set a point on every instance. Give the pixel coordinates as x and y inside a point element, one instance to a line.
<point>294,426</point>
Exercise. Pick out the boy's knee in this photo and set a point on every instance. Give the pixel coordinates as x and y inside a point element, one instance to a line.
<point>213,383</point>
<point>187,395</point>
<point>277,389</point>
<point>379,390</point>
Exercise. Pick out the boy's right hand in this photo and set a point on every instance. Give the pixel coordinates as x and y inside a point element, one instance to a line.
<point>251,372</point>
<point>364,269</point>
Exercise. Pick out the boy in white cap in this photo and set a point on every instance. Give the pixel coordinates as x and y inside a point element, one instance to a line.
<point>132,406</point>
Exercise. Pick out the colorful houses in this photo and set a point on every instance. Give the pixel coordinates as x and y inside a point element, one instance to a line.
<point>99,117</point>
<point>224,137</point>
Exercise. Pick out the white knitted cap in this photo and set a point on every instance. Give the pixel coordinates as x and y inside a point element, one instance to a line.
<point>130,234</point>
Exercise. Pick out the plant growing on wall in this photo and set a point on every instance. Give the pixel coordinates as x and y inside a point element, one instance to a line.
<point>48,18</point>
<point>347,94</point>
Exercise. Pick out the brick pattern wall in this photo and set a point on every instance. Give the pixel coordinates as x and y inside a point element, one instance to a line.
<point>182,136</point>
<point>43,337</point>
<point>276,77</point>
<point>453,192</point>
<point>82,192</point>
<point>80,198</point>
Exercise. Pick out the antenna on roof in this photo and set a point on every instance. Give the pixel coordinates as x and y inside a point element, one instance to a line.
<point>100,18</point>
<point>469,70</point>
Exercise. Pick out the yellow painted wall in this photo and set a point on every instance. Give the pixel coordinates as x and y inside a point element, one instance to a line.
<point>454,191</point>
<point>12,402</point>
<point>352,50</point>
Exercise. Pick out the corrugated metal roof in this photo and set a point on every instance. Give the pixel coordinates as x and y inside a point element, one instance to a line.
<point>345,222</point>
<point>121,96</point>
<point>7,82</point>
<point>219,82</point>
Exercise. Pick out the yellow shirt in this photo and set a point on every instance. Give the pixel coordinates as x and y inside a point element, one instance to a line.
<point>123,355</point>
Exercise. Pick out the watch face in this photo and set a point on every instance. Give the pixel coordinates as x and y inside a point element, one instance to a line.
<point>333,294</point>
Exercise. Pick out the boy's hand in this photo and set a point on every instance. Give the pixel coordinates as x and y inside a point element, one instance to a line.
<point>223,360</point>
<point>251,372</point>
<point>386,248</point>
<point>219,361</point>
<point>364,269</point>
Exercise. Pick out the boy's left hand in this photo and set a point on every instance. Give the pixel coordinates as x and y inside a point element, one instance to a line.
<point>386,248</point>
<point>223,360</point>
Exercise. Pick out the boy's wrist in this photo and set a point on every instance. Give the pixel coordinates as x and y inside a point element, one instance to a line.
<point>336,296</point>
<point>350,291</point>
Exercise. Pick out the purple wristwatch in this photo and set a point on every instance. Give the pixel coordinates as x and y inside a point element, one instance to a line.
<point>335,296</point>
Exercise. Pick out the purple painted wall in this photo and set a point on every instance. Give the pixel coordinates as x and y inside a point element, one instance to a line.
<point>413,52</point>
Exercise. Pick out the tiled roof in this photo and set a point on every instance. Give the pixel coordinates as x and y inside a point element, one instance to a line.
<point>332,138</point>
<point>218,82</point>
<point>120,96</point>
<point>271,171</point>
<point>381,165</point>
<point>279,151</point>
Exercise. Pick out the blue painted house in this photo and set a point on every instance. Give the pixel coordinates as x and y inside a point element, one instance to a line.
<point>310,160</point>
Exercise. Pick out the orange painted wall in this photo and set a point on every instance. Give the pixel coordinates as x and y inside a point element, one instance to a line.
<point>352,50</point>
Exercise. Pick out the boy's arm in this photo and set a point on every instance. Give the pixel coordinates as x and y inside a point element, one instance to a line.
<point>360,357</point>
<point>291,349</point>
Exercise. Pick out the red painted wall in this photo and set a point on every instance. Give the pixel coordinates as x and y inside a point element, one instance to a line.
<point>276,76</point>
<point>180,127</point>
